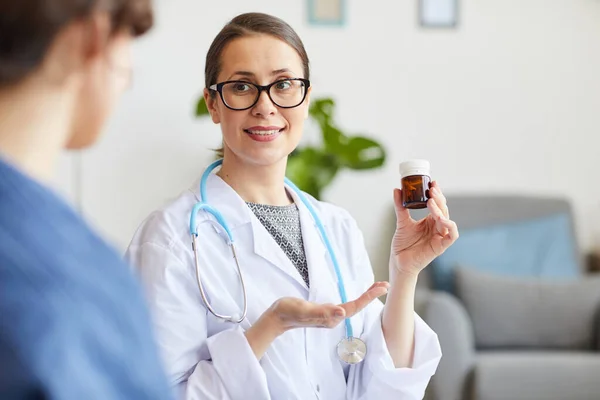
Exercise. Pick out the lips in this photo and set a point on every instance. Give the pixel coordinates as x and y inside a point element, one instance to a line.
<point>259,132</point>
<point>263,130</point>
<point>264,133</point>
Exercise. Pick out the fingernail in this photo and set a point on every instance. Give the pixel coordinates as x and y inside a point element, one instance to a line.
<point>339,313</point>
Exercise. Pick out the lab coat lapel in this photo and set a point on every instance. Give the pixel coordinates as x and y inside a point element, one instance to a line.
<point>237,214</point>
<point>226,200</point>
<point>317,258</point>
<point>266,247</point>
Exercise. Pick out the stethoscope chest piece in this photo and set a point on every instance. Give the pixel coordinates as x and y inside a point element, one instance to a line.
<point>351,350</point>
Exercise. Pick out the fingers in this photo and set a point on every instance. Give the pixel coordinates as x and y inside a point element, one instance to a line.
<point>437,195</point>
<point>322,315</point>
<point>376,290</point>
<point>332,315</point>
<point>402,213</point>
<point>443,225</point>
<point>452,234</point>
<point>438,217</point>
<point>446,228</point>
<point>296,313</point>
<point>439,243</point>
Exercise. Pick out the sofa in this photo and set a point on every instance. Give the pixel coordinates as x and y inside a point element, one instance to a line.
<point>514,309</point>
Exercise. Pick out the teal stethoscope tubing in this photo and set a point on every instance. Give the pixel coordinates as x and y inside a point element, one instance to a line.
<point>203,205</point>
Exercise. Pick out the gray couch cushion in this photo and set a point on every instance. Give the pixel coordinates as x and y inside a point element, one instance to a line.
<point>536,376</point>
<point>528,312</point>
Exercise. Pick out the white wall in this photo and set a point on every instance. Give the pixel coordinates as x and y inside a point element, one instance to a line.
<point>509,102</point>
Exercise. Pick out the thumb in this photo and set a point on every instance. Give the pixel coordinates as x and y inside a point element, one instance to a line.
<point>402,213</point>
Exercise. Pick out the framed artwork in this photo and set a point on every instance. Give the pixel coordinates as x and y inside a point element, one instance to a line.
<point>438,13</point>
<point>327,12</point>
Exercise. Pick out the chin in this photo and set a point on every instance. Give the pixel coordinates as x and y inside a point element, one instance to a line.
<point>82,140</point>
<point>263,157</point>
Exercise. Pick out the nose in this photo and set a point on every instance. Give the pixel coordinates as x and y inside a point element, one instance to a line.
<point>264,107</point>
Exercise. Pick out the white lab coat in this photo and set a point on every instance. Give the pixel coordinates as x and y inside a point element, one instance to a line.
<point>209,359</point>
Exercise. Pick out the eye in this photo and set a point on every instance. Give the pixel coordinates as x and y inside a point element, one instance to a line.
<point>283,85</point>
<point>241,87</point>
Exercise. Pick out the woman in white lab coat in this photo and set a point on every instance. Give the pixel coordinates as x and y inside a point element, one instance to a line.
<point>285,348</point>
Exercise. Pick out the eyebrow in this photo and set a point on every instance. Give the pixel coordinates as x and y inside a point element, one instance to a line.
<point>251,74</point>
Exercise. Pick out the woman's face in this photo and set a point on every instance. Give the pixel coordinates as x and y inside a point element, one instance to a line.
<point>264,134</point>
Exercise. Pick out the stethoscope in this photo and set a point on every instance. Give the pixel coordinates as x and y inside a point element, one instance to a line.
<point>350,349</point>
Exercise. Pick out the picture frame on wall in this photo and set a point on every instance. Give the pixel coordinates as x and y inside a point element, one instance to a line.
<point>327,12</point>
<point>439,13</point>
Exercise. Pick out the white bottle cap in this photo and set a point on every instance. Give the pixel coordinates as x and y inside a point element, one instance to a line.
<point>414,167</point>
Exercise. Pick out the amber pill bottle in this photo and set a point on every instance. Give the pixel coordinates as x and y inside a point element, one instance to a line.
<point>415,179</point>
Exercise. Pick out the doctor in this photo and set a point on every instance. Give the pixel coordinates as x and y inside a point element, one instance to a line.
<point>257,89</point>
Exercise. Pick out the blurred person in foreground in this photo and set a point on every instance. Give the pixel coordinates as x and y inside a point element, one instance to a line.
<point>73,323</point>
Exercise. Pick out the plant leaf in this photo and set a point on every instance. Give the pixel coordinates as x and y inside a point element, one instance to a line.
<point>311,169</point>
<point>201,108</point>
<point>322,111</point>
<point>335,141</point>
<point>363,153</point>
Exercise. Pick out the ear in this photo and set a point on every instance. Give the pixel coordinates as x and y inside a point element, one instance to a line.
<point>78,45</point>
<point>307,100</point>
<point>97,35</point>
<point>211,104</point>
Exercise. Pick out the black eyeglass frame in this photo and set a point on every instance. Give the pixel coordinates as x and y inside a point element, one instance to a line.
<point>218,87</point>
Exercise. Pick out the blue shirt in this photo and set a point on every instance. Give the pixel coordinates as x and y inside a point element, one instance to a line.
<point>73,322</point>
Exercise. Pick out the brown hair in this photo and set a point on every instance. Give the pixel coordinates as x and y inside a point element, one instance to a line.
<point>28,27</point>
<point>249,24</point>
<point>245,25</point>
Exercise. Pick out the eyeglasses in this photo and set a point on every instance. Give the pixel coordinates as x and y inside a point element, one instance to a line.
<point>242,95</point>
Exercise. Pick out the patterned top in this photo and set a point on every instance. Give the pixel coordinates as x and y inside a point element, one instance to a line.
<point>283,223</point>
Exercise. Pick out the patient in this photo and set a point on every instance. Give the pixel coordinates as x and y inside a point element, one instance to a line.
<point>73,324</point>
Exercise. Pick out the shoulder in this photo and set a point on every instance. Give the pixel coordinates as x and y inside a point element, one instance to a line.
<point>333,216</point>
<point>167,225</point>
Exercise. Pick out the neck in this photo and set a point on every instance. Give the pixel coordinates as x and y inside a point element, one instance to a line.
<point>261,184</point>
<point>35,122</point>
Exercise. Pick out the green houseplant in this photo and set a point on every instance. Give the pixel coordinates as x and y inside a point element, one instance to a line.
<point>313,167</point>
